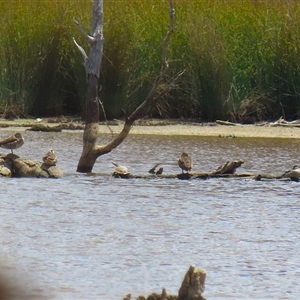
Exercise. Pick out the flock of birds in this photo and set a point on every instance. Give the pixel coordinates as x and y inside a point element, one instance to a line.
<point>16,141</point>
<point>184,162</point>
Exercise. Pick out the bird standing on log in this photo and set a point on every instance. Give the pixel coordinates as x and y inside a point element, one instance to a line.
<point>50,158</point>
<point>185,162</point>
<point>13,142</point>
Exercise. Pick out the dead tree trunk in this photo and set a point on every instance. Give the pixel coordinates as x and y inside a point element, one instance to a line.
<point>91,150</point>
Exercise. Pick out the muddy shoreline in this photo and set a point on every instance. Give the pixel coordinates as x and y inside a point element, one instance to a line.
<point>162,127</point>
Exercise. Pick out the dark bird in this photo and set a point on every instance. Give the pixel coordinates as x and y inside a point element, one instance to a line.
<point>159,171</point>
<point>258,177</point>
<point>50,158</point>
<point>127,297</point>
<point>185,162</point>
<point>13,142</point>
<point>152,170</point>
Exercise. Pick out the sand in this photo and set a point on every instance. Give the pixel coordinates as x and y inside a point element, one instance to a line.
<point>218,130</point>
<point>159,127</point>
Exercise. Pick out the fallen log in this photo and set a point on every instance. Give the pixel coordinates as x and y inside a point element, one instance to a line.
<point>55,128</point>
<point>45,128</point>
<point>227,123</point>
<point>207,175</point>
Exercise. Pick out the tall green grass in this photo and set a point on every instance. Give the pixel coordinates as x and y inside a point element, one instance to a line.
<point>241,58</point>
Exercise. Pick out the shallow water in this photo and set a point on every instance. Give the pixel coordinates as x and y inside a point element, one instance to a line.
<point>96,237</point>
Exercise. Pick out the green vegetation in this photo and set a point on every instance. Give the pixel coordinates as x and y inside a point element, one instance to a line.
<point>241,58</point>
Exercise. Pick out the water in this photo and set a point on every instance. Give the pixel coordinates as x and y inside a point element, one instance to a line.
<point>96,237</point>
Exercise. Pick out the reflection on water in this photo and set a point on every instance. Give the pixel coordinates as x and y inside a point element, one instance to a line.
<point>96,237</point>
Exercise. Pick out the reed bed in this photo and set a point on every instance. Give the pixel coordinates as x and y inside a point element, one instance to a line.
<point>241,58</point>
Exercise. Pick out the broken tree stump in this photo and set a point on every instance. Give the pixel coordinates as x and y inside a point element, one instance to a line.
<point>193,285</point>
<point>191,288</point>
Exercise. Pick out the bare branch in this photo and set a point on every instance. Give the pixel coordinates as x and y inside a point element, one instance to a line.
<point>89,38</point>
<point>169,86</point>
<point>168,36</point>
<point>96,52</point>
<point>85,57</point>
<point>153,95</point>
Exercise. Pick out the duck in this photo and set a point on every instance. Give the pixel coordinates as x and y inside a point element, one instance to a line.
<point>13,142</point>
<point>185,162</point>
<point>50,158</point>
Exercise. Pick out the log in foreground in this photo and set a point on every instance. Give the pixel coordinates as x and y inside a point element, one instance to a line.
<point>12,165</point>
<point>192,287</point>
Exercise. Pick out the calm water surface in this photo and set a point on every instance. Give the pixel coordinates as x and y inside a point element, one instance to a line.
<point>96,237</point>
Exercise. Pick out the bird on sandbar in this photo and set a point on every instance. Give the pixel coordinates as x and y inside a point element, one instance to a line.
<point>50,158</point>
<point>13,142</point>
<point>185,162</point>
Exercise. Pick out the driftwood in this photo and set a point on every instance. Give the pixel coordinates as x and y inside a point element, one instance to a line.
<point>55,128</point>
<point>284,123</point>
<point>228,167</point>
<point>191,288</point>
<point>45,128</point>
<point>12,165</point>
<point>280,122</point>
<point>220,122</point>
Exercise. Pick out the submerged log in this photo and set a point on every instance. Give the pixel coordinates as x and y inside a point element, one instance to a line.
<point>12,165</point>
<point>227,170</point>
<point>206,175</point>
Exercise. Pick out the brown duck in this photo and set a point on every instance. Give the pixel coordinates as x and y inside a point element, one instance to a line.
<point>50,158</point>
<point>185,162</point>
<point>13,142</point>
